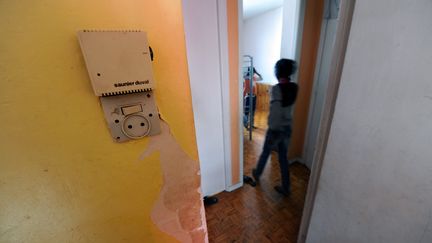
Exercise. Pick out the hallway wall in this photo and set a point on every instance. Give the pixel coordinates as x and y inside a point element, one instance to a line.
<point>62,178</point>
<point>376,183</point>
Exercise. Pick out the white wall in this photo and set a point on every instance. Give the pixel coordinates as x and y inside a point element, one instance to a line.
<point>290,19</point>
<point>202,44</point>
<point>376,183</point>
<point>262,40</point>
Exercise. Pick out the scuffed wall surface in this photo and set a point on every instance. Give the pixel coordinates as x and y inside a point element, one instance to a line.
<point>179,210</point>
<point>376,183</point>
<point>62,179</point>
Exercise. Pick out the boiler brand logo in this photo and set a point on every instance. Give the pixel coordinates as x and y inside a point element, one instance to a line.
<point>138,82</point>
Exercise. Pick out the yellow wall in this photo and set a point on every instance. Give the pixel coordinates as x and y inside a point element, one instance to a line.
<point>62,179</point>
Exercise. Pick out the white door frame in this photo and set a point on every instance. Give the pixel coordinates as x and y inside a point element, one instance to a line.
<point>207,83</point>
<point>225,91</point>
<point>240,91</point>
<point>224,74</point>
<point>342,34</point>
<point>315,110</point>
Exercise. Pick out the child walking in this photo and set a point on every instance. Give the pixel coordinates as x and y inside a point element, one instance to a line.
<point>283,96</point>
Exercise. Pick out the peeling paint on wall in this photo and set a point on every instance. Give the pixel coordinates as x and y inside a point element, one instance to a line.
<point>179,210</point>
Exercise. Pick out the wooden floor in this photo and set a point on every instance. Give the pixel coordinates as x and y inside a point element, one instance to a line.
<point>259,214</point>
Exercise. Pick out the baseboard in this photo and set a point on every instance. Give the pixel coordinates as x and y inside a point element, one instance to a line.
<point>234,187</point>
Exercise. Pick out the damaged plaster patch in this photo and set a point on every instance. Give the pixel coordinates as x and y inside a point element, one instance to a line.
<point>179,210</point>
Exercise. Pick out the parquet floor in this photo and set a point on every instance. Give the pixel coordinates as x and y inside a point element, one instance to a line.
<point>259,214</point>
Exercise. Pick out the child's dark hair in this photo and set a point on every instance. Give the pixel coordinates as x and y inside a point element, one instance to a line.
<point>284,68</point>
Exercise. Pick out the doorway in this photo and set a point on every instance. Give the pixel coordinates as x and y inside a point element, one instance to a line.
<point>262,213</point>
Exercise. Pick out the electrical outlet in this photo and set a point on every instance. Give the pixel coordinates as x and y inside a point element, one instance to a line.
<point>136,126</point>
<point>131,116</point>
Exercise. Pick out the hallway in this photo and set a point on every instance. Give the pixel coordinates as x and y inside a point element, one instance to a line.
<point>259,214</point>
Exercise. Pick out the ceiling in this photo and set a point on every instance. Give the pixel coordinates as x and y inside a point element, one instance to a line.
<point>252,8</point>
